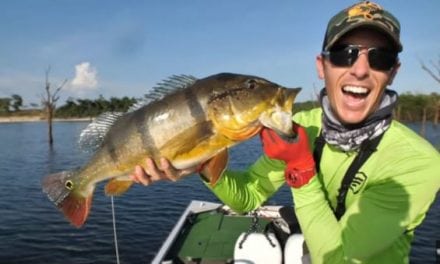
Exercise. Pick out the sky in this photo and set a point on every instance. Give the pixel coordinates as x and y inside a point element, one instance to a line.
<point>123,48</point>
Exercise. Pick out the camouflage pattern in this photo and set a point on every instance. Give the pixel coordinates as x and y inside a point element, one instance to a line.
<point>365,13</point>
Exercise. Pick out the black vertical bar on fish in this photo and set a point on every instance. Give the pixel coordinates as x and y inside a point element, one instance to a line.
<point>194,105</point>
<point>143,130</point>
<point>111,149</point>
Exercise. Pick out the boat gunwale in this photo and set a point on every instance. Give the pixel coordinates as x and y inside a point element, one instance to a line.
<point>195,207</point>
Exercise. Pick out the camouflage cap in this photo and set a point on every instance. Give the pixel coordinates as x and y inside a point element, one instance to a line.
<point>363,14</point>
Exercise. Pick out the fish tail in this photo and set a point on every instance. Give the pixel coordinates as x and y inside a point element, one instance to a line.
<point>70,199</point>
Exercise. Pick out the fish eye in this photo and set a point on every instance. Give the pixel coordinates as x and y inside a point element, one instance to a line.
<point>69,185</point>
<point>252,84</point>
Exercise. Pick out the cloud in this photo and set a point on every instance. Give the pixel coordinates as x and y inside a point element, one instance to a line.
<point>85,77</point>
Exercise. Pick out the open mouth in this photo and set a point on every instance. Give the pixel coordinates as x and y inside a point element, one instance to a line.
<point>356,91</point>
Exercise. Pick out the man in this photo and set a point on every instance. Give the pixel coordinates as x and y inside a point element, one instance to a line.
<point>371,180</point>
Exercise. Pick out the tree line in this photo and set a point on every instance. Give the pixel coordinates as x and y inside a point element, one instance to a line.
<point>13,103</point>
<point>411,107</point>
<point>418,107</point>
<point>72,108</point>
<point>92,108</point>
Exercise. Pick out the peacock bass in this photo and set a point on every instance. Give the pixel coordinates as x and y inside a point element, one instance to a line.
<point>189,121</point>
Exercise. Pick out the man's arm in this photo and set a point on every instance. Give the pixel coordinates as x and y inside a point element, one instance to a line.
<point>246,190</point>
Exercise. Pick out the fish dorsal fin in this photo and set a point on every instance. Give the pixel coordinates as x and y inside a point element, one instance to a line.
<point>167,86</point>
<point>93,135</point>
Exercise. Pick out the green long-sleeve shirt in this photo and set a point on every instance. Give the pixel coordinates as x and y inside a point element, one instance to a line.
<point>387,200</point>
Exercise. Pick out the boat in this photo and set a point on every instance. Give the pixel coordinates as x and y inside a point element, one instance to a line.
<point>210,232</point>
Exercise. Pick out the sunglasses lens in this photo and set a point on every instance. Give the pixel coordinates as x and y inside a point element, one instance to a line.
<point>379,59</point>
<point>382,59</point>
<point>343,56</point>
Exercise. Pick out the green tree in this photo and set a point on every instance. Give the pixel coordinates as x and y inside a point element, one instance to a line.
<point>434,104</point>
<point>69,109</point>
<point>4,104</point>
<point>412,106</point>
<point>103,105</point>
<point>17,102</point>
<point>90,108</point>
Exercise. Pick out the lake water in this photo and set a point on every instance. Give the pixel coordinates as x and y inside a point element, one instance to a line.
<point>33,231</point>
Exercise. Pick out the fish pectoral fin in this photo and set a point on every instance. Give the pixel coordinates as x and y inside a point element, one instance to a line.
<point>185,141</point>
<point>214,167</point>
<point>118,186</point>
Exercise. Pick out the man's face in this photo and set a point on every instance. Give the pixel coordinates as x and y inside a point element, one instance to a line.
<point>355,91</point>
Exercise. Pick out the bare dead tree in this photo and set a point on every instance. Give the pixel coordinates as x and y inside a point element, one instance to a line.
<point>49,100</point>
<point>434,72</point>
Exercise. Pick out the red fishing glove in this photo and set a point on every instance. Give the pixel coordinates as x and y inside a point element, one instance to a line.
<point>300,165</point>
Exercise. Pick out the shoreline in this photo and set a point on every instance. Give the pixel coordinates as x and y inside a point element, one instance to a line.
<point>26,119</point>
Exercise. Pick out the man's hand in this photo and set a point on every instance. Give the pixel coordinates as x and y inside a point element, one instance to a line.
<point>150,172</point>
<point>300,166</point>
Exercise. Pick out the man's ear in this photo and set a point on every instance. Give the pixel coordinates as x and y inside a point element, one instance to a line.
<point>320,66</point>
<point>393,73</point>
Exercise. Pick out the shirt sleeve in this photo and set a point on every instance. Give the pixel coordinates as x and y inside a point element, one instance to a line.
<point>246,190</point>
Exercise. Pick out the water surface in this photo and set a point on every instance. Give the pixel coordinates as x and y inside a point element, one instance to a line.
<point>33,231</point>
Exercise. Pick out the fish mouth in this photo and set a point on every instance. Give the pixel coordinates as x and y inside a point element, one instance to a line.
<point>279,118</point>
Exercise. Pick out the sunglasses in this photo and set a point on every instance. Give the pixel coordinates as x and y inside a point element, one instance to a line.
<point>381,59</point>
